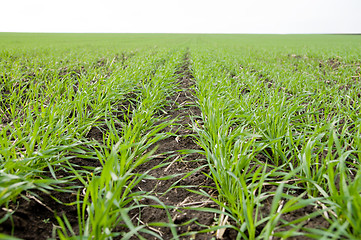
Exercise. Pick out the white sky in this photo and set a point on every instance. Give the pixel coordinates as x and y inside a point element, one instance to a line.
<point>181,16</point>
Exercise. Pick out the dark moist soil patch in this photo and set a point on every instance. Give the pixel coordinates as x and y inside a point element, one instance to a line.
<point>34,216</point>
<point>181,107</point>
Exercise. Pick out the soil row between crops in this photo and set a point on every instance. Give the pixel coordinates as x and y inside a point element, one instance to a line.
<point>182,108</point>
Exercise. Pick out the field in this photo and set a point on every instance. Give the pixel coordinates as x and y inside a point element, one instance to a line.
<point>180,136</point>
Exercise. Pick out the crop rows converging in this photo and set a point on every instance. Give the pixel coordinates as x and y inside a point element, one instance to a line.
<point>180,137</point>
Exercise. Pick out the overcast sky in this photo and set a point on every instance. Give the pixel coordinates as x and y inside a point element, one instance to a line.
<point>181,16</point>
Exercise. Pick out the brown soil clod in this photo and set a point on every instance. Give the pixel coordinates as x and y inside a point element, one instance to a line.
<point>333,63</point>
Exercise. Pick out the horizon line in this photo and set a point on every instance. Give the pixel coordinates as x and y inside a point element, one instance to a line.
<point>207,33</point>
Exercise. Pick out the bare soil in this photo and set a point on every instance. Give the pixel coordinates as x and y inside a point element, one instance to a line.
<point>182,108</point>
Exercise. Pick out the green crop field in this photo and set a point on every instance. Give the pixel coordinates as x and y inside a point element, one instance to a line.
<point>180,136</point>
